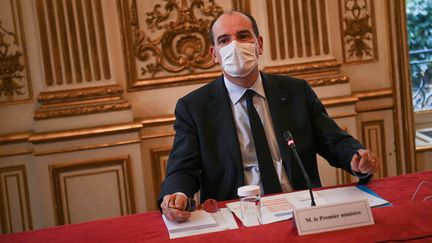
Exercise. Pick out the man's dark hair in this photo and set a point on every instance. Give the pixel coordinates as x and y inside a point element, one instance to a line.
<point>252,19</point>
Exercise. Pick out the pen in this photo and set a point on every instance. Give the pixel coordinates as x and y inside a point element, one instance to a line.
<point>190,205</point>
<point>169,203</point>
<point>359,174</point>
<point>358,155</point>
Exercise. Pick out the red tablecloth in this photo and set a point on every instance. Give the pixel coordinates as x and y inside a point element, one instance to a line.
<point>403,220</point>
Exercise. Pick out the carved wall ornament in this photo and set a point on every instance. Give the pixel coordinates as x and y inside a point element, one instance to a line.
<point>14,74</point>
<point>11,70</point>
<point>168,44</point>
<point>183,43</point>
<point>358,30</point>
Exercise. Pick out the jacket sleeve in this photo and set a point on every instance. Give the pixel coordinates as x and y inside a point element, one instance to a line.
<point>334,144</point>
<point>183,168</point>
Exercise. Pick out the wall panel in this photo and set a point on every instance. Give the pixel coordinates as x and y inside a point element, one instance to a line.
<point>92,190</point>
<point>15,208</point>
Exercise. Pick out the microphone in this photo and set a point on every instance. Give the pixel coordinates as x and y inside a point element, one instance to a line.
<point>291,144</point>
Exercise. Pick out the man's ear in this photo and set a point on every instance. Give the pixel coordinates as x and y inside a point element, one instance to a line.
<point>212,51</point>
<point>260,45</point>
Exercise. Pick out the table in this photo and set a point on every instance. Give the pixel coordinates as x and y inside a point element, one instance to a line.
<point>404,220</point>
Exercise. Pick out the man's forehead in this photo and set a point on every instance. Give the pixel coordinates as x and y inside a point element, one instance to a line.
<point>232,21</point>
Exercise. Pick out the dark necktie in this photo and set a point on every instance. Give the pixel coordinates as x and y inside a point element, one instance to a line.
<point>268,174</point>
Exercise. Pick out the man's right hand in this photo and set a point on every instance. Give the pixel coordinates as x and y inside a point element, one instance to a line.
<point>173,207</point>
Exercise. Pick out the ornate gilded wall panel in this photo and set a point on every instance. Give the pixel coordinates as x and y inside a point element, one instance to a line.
<point>166,43</point>
<point>15,82</point>
<point>374,138</point>
<point>77,190</point>
<point>73,40</point>
<point>298,30</point>
<point>15,212</point>
<point>358,29</point>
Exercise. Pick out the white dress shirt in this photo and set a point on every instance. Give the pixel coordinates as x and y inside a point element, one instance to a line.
<point>247,146</point>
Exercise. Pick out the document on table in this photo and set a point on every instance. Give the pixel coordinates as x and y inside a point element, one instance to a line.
<point>352,193</point>
<point>280,207</point>
<point>201,222</point>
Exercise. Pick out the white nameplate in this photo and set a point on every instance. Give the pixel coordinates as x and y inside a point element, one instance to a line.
<point>333,217</point>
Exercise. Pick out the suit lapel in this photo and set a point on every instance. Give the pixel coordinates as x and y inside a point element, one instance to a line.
<point>220,109</point>
<point>280,113</point>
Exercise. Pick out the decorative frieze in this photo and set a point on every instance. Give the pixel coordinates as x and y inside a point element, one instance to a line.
<point>358,30</point>
<point>80,102</point>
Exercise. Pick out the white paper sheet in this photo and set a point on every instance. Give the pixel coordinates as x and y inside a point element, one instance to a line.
<point>347,194</point>
<point>224,221</point>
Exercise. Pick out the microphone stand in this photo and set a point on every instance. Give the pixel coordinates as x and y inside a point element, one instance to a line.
<point>291,144</point>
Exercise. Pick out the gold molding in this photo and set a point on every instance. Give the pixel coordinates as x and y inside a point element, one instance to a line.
<point>86,147</point>
<point>328,81</point>
<point>87,132</point>
<point>159,135</point>
<point>81,102</point>
<point>14,153</point>
<point>374,94</point>
<point>58,169</point>
<point>78,111</point>
<point>339,101</point>
<point>156,121</point>
<point>84,132</point>
<point>304,68</point>
<point>84,101</point>
<point>176,81</point>
<point>15,137</point>
<point>25,209</point>
<point>424,148</point>
<point>77,94</point>
<point>375,108</point>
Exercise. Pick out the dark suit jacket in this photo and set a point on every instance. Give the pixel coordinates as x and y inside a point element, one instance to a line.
<point>206,152</point>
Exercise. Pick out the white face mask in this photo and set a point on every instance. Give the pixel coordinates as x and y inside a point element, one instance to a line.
<point>238,58</point>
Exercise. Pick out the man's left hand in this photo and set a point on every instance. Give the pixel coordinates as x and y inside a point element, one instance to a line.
<point>366,163</point>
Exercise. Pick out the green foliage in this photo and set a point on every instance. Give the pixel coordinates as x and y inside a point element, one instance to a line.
<point>419,23</point>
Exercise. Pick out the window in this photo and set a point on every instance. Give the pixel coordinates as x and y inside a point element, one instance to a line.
<point>419,24</point>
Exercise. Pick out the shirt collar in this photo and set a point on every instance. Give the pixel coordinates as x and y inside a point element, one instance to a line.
<point>236,92</point>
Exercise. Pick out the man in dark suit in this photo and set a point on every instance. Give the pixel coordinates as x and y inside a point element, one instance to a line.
<point>229,131</point>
